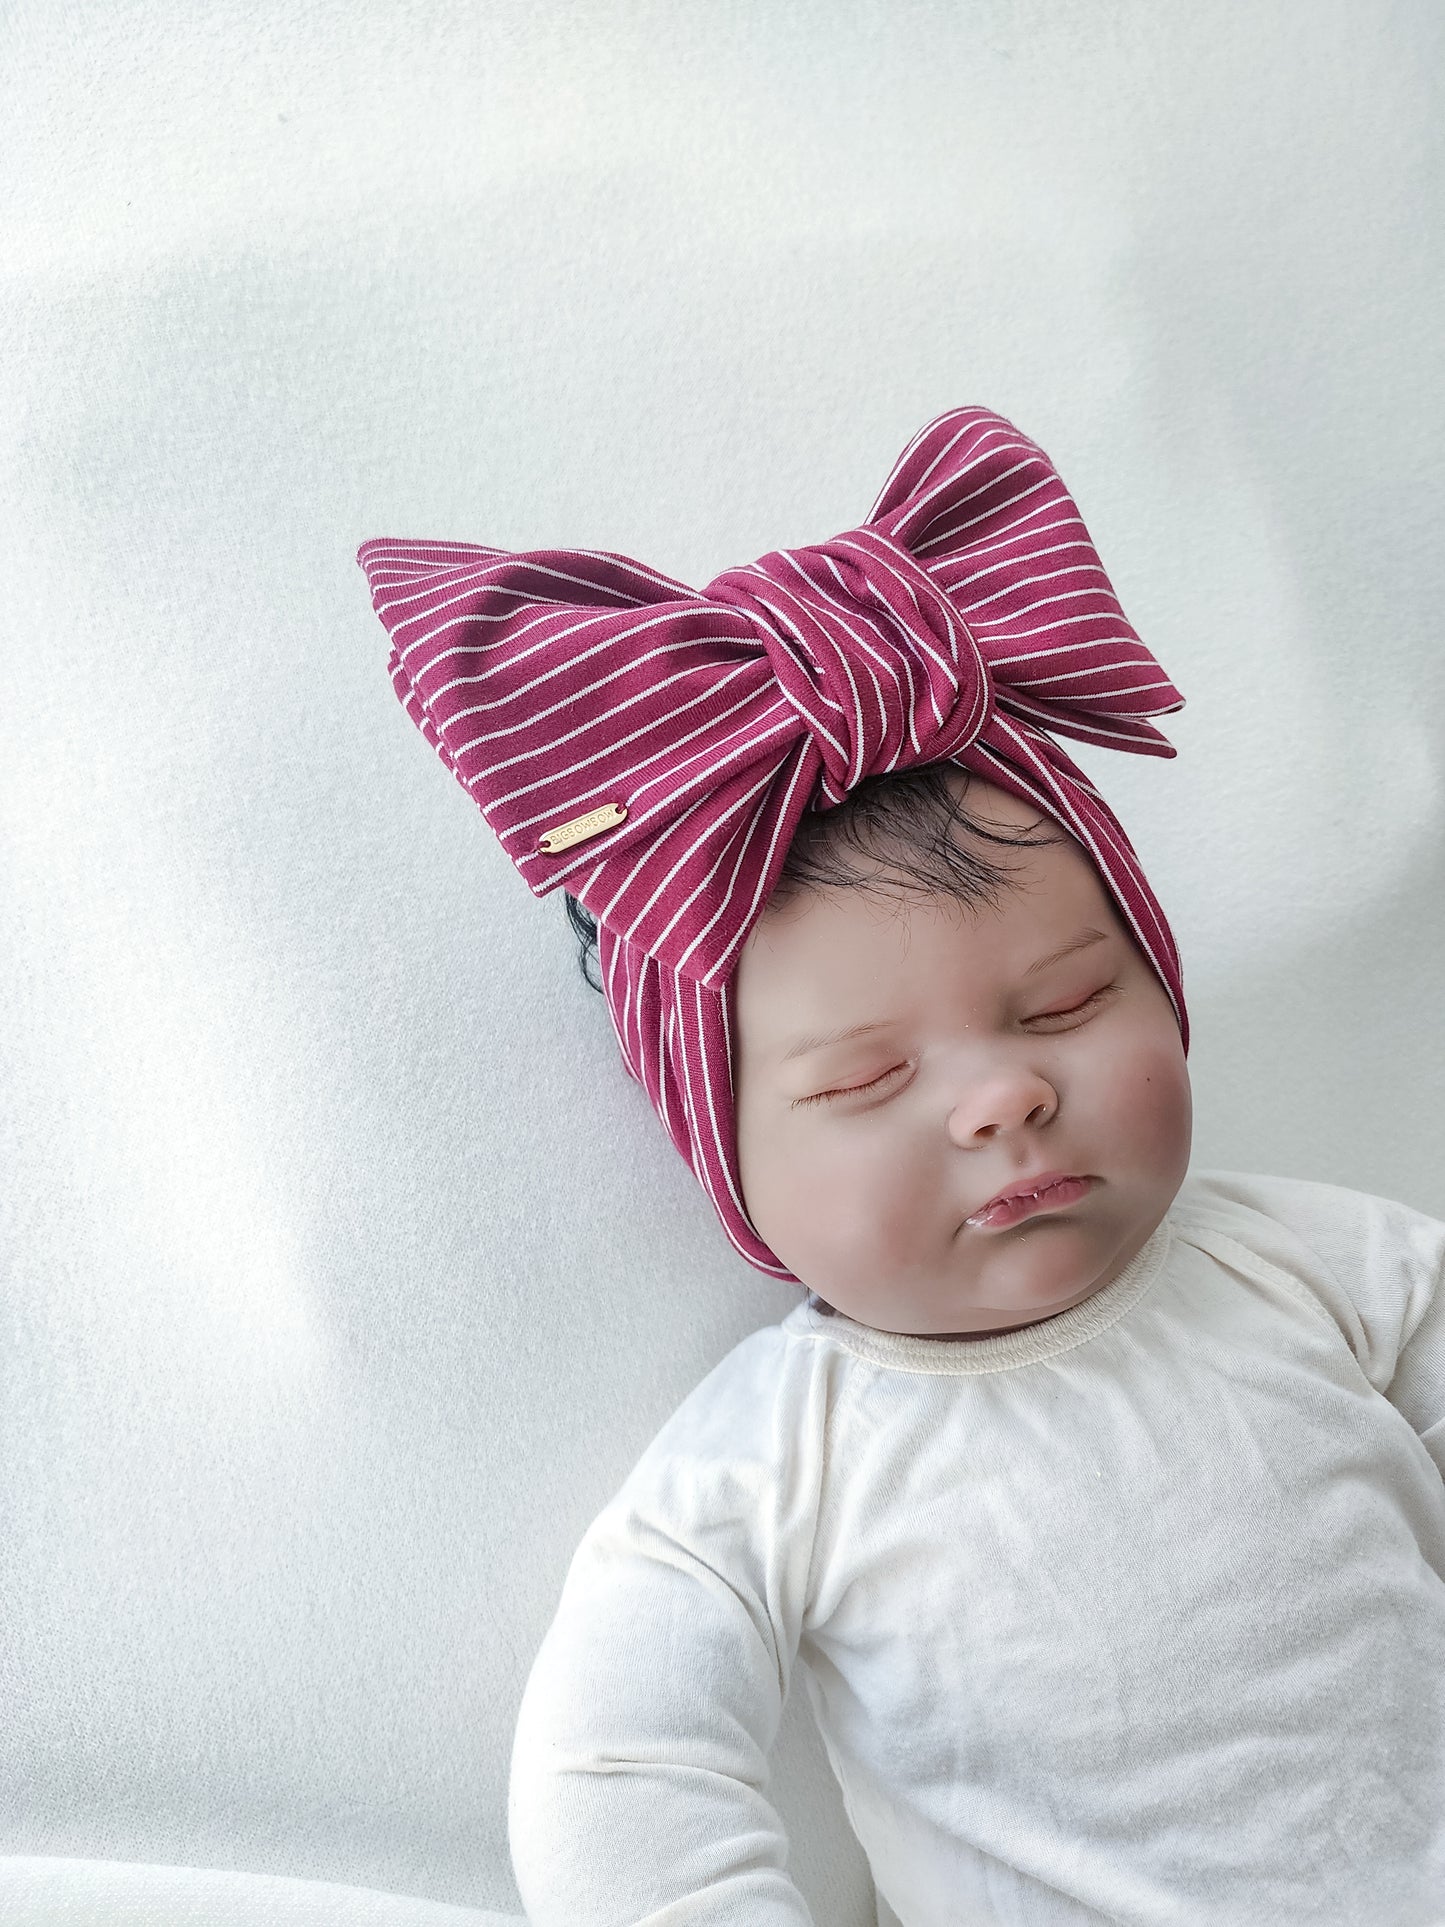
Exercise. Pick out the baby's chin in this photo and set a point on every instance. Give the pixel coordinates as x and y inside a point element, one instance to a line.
<point>1039,1279</point>
<point>983,1321</point>
<point>1024,1287</point>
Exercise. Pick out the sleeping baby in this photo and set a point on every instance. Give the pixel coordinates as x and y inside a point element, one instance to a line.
<point>1101,1503</point>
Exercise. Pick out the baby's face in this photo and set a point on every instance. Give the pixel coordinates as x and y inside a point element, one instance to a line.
<point>863,1159</point>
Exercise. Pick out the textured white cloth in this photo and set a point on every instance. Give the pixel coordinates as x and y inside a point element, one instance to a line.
<point>1137,1615</point>
<point>53,1891</point>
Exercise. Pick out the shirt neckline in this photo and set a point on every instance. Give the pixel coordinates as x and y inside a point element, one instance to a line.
<point>943,1356</point>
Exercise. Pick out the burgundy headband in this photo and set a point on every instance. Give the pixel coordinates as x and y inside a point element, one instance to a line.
<point>654,746</point>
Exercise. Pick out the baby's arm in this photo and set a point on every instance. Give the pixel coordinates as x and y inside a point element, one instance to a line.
<point>639,1768</point>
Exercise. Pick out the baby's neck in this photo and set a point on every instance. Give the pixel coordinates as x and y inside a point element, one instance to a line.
<point>994,1331</point>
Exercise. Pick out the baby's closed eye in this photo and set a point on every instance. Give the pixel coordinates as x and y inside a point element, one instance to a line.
<point>1094,1001</point>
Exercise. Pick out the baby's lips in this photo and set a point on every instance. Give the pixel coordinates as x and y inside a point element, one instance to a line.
<point>1053,1194</point>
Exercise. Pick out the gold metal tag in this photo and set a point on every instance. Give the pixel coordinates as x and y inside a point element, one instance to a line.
<point>553,842</point>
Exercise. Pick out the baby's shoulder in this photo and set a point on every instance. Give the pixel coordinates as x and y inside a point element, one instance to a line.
<point>1371,1264</point>
<point>748,1407</point>
<point>733,1475</point>
<point>1336,1221</point>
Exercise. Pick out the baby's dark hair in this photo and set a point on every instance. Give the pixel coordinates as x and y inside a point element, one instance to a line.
<point>905,818</point>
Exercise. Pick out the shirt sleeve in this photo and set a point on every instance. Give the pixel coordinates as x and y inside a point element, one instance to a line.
<point>639,1773</point>
<point>1378,1268</point>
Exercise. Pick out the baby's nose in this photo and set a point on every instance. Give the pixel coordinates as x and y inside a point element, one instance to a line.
<point>1002,1103</point>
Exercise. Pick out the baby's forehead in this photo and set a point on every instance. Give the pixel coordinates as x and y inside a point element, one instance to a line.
<point>842,951</point>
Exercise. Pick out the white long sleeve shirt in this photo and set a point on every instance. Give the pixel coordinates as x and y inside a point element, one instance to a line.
<point>1136,1615</point>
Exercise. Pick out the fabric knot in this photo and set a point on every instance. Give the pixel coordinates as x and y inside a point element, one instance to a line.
<point>877,663</point>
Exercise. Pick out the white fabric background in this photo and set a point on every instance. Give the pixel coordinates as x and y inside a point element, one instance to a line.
<point>344,1272</point>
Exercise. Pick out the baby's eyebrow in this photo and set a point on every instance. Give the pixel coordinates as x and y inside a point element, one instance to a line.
<point>805,1044</point>
<point>1081,942</point>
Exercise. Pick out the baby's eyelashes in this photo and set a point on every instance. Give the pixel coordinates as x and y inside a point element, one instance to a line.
<point>850,1090</point>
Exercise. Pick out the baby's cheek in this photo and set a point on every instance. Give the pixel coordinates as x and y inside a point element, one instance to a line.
<point>846,1207</point>
<point>890,1208</point>
<point>1151,1101</point>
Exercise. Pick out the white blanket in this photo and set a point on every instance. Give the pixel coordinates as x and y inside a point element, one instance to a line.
<point>41,1892</point>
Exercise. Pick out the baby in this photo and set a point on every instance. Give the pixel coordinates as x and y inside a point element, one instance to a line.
<point>1100,1503</point>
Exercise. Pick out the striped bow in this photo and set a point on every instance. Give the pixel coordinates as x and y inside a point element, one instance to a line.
<point>558,683</point>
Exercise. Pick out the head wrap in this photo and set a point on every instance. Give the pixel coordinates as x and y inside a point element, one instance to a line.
<point>654,746</point>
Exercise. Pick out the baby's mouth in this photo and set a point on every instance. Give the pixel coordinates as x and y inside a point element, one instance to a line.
<point>1055,1195</point>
